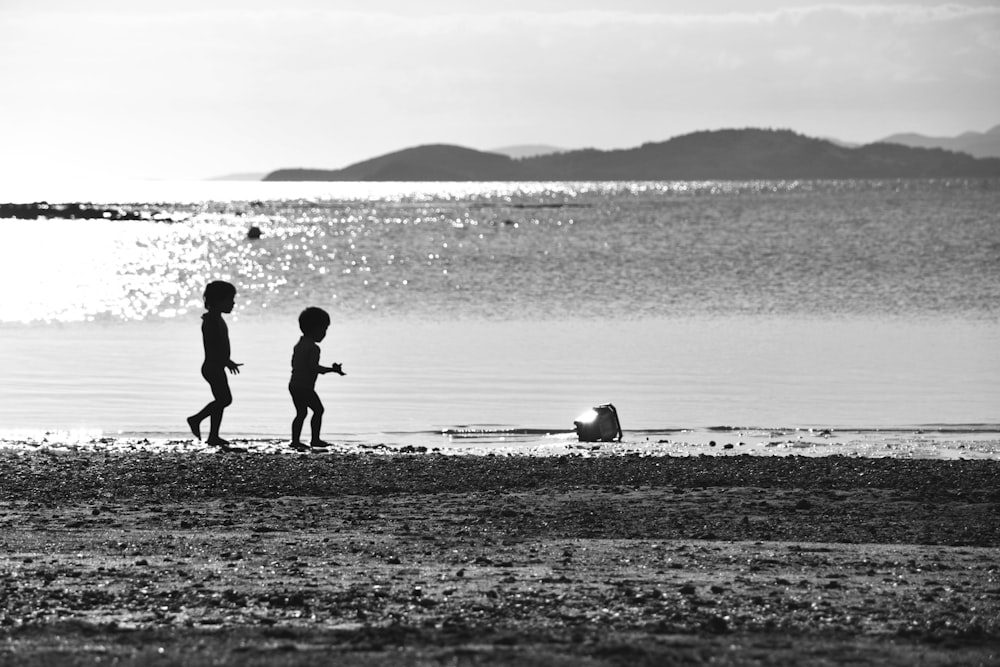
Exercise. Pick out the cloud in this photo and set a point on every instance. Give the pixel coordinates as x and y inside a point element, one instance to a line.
<point>600,18</point>
<point>451,15</point>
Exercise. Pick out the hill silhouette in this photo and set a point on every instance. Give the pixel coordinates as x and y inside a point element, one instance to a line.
<point>436,162</point>
<point>527,150</point>
<point>743,154</point>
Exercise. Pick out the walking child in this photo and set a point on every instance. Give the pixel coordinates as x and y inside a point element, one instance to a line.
<point>220,297</point>
<point>313,322</point>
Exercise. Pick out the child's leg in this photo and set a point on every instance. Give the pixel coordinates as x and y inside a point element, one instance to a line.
<point>223,399</point>
<point>317,419</point>
<point>194,423</point>
<point>300,398</point>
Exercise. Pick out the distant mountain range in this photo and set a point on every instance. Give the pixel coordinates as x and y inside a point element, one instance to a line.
<point>976,144</point>
<point>720,154</point>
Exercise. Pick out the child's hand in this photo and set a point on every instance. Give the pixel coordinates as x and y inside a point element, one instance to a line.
<point>233,367</point>
<point>337,369</point>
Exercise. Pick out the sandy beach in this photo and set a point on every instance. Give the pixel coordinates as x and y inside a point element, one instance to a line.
<point>160,557</point>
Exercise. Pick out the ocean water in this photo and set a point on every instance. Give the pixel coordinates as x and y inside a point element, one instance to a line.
<point>492,314</point>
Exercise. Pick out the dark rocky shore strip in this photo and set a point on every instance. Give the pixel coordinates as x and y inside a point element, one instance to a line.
<point>79,474</point>
<point>362,559</point>
<point>78,211</point>
<point>48,475</point>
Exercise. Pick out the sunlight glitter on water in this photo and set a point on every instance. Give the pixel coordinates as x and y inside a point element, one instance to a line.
<point>71,271</point>
<point>491,250</point>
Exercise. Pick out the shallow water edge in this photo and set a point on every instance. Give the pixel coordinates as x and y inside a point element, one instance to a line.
<point>941,443</point>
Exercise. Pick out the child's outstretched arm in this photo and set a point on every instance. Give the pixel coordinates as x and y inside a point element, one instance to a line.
<point>335,368</point>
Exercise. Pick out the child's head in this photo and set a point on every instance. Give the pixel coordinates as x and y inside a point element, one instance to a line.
<point>314,322</point>
<point>220,295</point>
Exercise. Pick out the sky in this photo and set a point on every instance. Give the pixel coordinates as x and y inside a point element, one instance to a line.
<point>182,89</point>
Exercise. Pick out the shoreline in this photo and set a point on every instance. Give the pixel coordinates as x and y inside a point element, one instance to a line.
<point>368,558</point>
<point>940,442</point>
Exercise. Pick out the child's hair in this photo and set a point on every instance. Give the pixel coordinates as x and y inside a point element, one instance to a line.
<point>218,290</point>
<point>313,317</point>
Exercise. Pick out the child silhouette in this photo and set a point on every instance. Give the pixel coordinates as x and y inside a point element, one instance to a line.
<point>313,322</point>
<point>220,297</point>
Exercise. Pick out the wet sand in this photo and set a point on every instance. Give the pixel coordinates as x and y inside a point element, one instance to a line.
<point>159,557</point>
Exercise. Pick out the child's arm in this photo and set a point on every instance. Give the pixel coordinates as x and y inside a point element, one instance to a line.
<point>332,369</point>
<point>233,367</point>
<point>215,335</point>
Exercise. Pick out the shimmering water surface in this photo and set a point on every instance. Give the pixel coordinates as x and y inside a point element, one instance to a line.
<point>487,309</point>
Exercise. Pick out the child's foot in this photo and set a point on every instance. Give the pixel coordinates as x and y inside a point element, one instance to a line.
<point>318,444</point>
<point>195,427</point>
<point>217,442</point>
<point>299,447</point>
